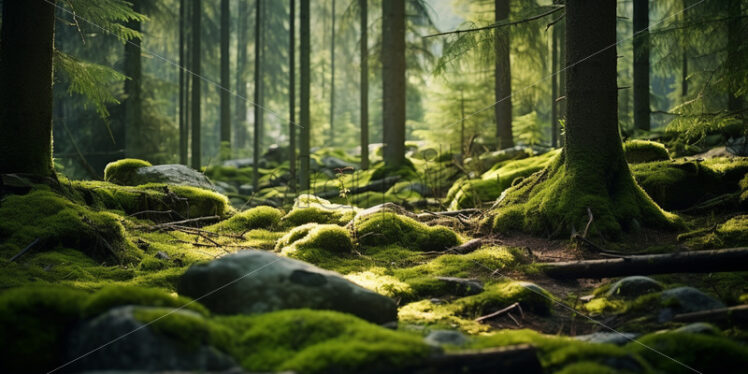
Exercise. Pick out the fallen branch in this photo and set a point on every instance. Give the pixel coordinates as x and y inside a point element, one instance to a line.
<point>708,261</point>
<point>732,314</point>
<point>191,220</point>
<point>502,311</point>
<point>23,251</point>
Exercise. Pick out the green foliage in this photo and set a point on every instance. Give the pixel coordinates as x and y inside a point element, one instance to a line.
<point>121,171</point>
<point>389,228</point>
<point>91,80</point>
<point>109,16</point>
<point>261,217</point>
<point>638,151</point>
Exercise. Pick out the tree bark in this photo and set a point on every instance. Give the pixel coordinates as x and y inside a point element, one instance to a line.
<point>332,78</point>
<point>242,41</point>
<point>304,114</point>
<point>363,5</point>
<point>554,86</point>
<point>292,96</point>
<point>641,65</point>
<point>503,78</point>
<point>258,96</point>
<point>183,129</point>
<point>734,38</point>
<point>197,11</point>
<point>133,103</point>
<point>225,146</point>
<point>684,59</point>
<point>393,82</point>
<point>718,260</point>
<point>562,78</point>
<point>27,40</point>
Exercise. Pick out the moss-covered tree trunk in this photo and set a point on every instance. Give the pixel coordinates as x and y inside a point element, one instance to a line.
<point>503,78</point>
<point>27,41</point>
<point>591,173</point>
<point>393,82</point>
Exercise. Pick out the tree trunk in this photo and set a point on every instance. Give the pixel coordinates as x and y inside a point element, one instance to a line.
<point>734,39</point>
<point>462,125</point>
<point>258,96</point>
<point>183,130</point>
<point>684,60</point>
<point>27,41</point>
<point>718,260</point>
<point>225,146</point>
<point>197,11</point>
<point>304,95</point>
<point>641,65</point>
<point>554,86</point>
<point>292,96</point>
<point>591,173</point>
<point>503,78</point>
<point>393,82</point>
<point>562,77</point>
<point>242,39</point>
<point>363,5</point>
<point>133,103</point>
<point>332,78</point>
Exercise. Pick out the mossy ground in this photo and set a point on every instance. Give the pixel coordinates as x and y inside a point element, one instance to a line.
<point>390,254</point>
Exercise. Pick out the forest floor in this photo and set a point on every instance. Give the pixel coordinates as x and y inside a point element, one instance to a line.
<point>74,254</point>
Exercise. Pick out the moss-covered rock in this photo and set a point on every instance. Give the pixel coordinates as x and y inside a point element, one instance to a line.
<point>113,296</point>
<point>121,171</point>
<point>261,217</point>
<point>331,238</point>
<point>684,351</point>
<point>313,209</point>
<point>388,228</point>
<point>638,151</point>
<point>60,223</point>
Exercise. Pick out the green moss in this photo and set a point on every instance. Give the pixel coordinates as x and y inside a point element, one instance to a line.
<point>555,201</point>
<point>58,222</point>
<point>310,208</point>
<point>120,171</point>
<point>389,228</point>
<point>638,151</point>
<point>743,198</point>
<point>669,352</point>
<point>33,325</point>
<point>406,172</point>
<point>731,233</point>
<point>190,330</point>
<point>114,296</point>
<point>331,238</point>
<point>261,217</point>
<point>587,367</point>
<point>323,341</point>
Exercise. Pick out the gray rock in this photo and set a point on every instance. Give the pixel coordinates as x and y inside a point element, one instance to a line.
<point>688,299</point>
<point>171,174</point>
<point>607,337</point>
<point>116,340</point>
<point>634,286</point>
<point>161,255</point>
<point>332,162</point>
<point>446,337</point>
<point>699,328</point>
<point>255,281</point>
<point>462,286</point>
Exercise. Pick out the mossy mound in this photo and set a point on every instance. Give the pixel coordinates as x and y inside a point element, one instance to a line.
<point>638,151</point>
<point>313,209</point>
<point>37,319</point>
<point>407,171</point>
<point>389,228</point>
<point>182,201</point>
<point>555,201</point>
<point>309,341</point>
<point>673,352</point>
<point>60,223</point>
<point>472,192</point>
<point>331,238</point>
<point>731,233</point>
<point>261,217</point>
<point>121,171</point>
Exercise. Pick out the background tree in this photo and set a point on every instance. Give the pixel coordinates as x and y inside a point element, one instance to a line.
<point>242,43</point>
<point>364,77</point>
<point>133,102</point>
<point>258,107</point>
<point>304,115</point>
<point>195,116</point>
<point>225,83</point>
<point>292,97</point>
<point>641,65</point>
<point>503,78</point>
<point>393,82</point>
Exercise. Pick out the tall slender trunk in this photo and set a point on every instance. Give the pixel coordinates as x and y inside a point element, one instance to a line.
<point>734,39</point>
<point>292,96</point>
<point>363,5</point>
<point>195,117</point>
<point>225,85</point>
<point>503,78</point>
<point>554,86</point>
<point>133,103</point>
<point>393,82</point>
<point>462,125</point>
<point>304,95</point>
<point>641,65</point>
<point>242,39</point>
<point>562,78</point>
<point>27,47</point>
<point>183,130</point>
<point>257,136</point>
<point>684,59</point>
<point>332,78</point>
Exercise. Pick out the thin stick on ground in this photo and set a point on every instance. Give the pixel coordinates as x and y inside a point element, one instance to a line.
<point>502,311</point>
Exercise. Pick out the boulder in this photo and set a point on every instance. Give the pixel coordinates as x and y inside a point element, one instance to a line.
<point>255,281</point>
<point>607,337</point>
<point>685,300</point>
<point>699,328</point>
<point>461,286</point>
<point>117,340</point>
<point>633,287</point>
<point>170,174</point>
<point>446,337</point>
<point>332,162</point>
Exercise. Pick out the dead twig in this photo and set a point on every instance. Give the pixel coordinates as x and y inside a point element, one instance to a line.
<point>23,251</point>
<point>502,311</point>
